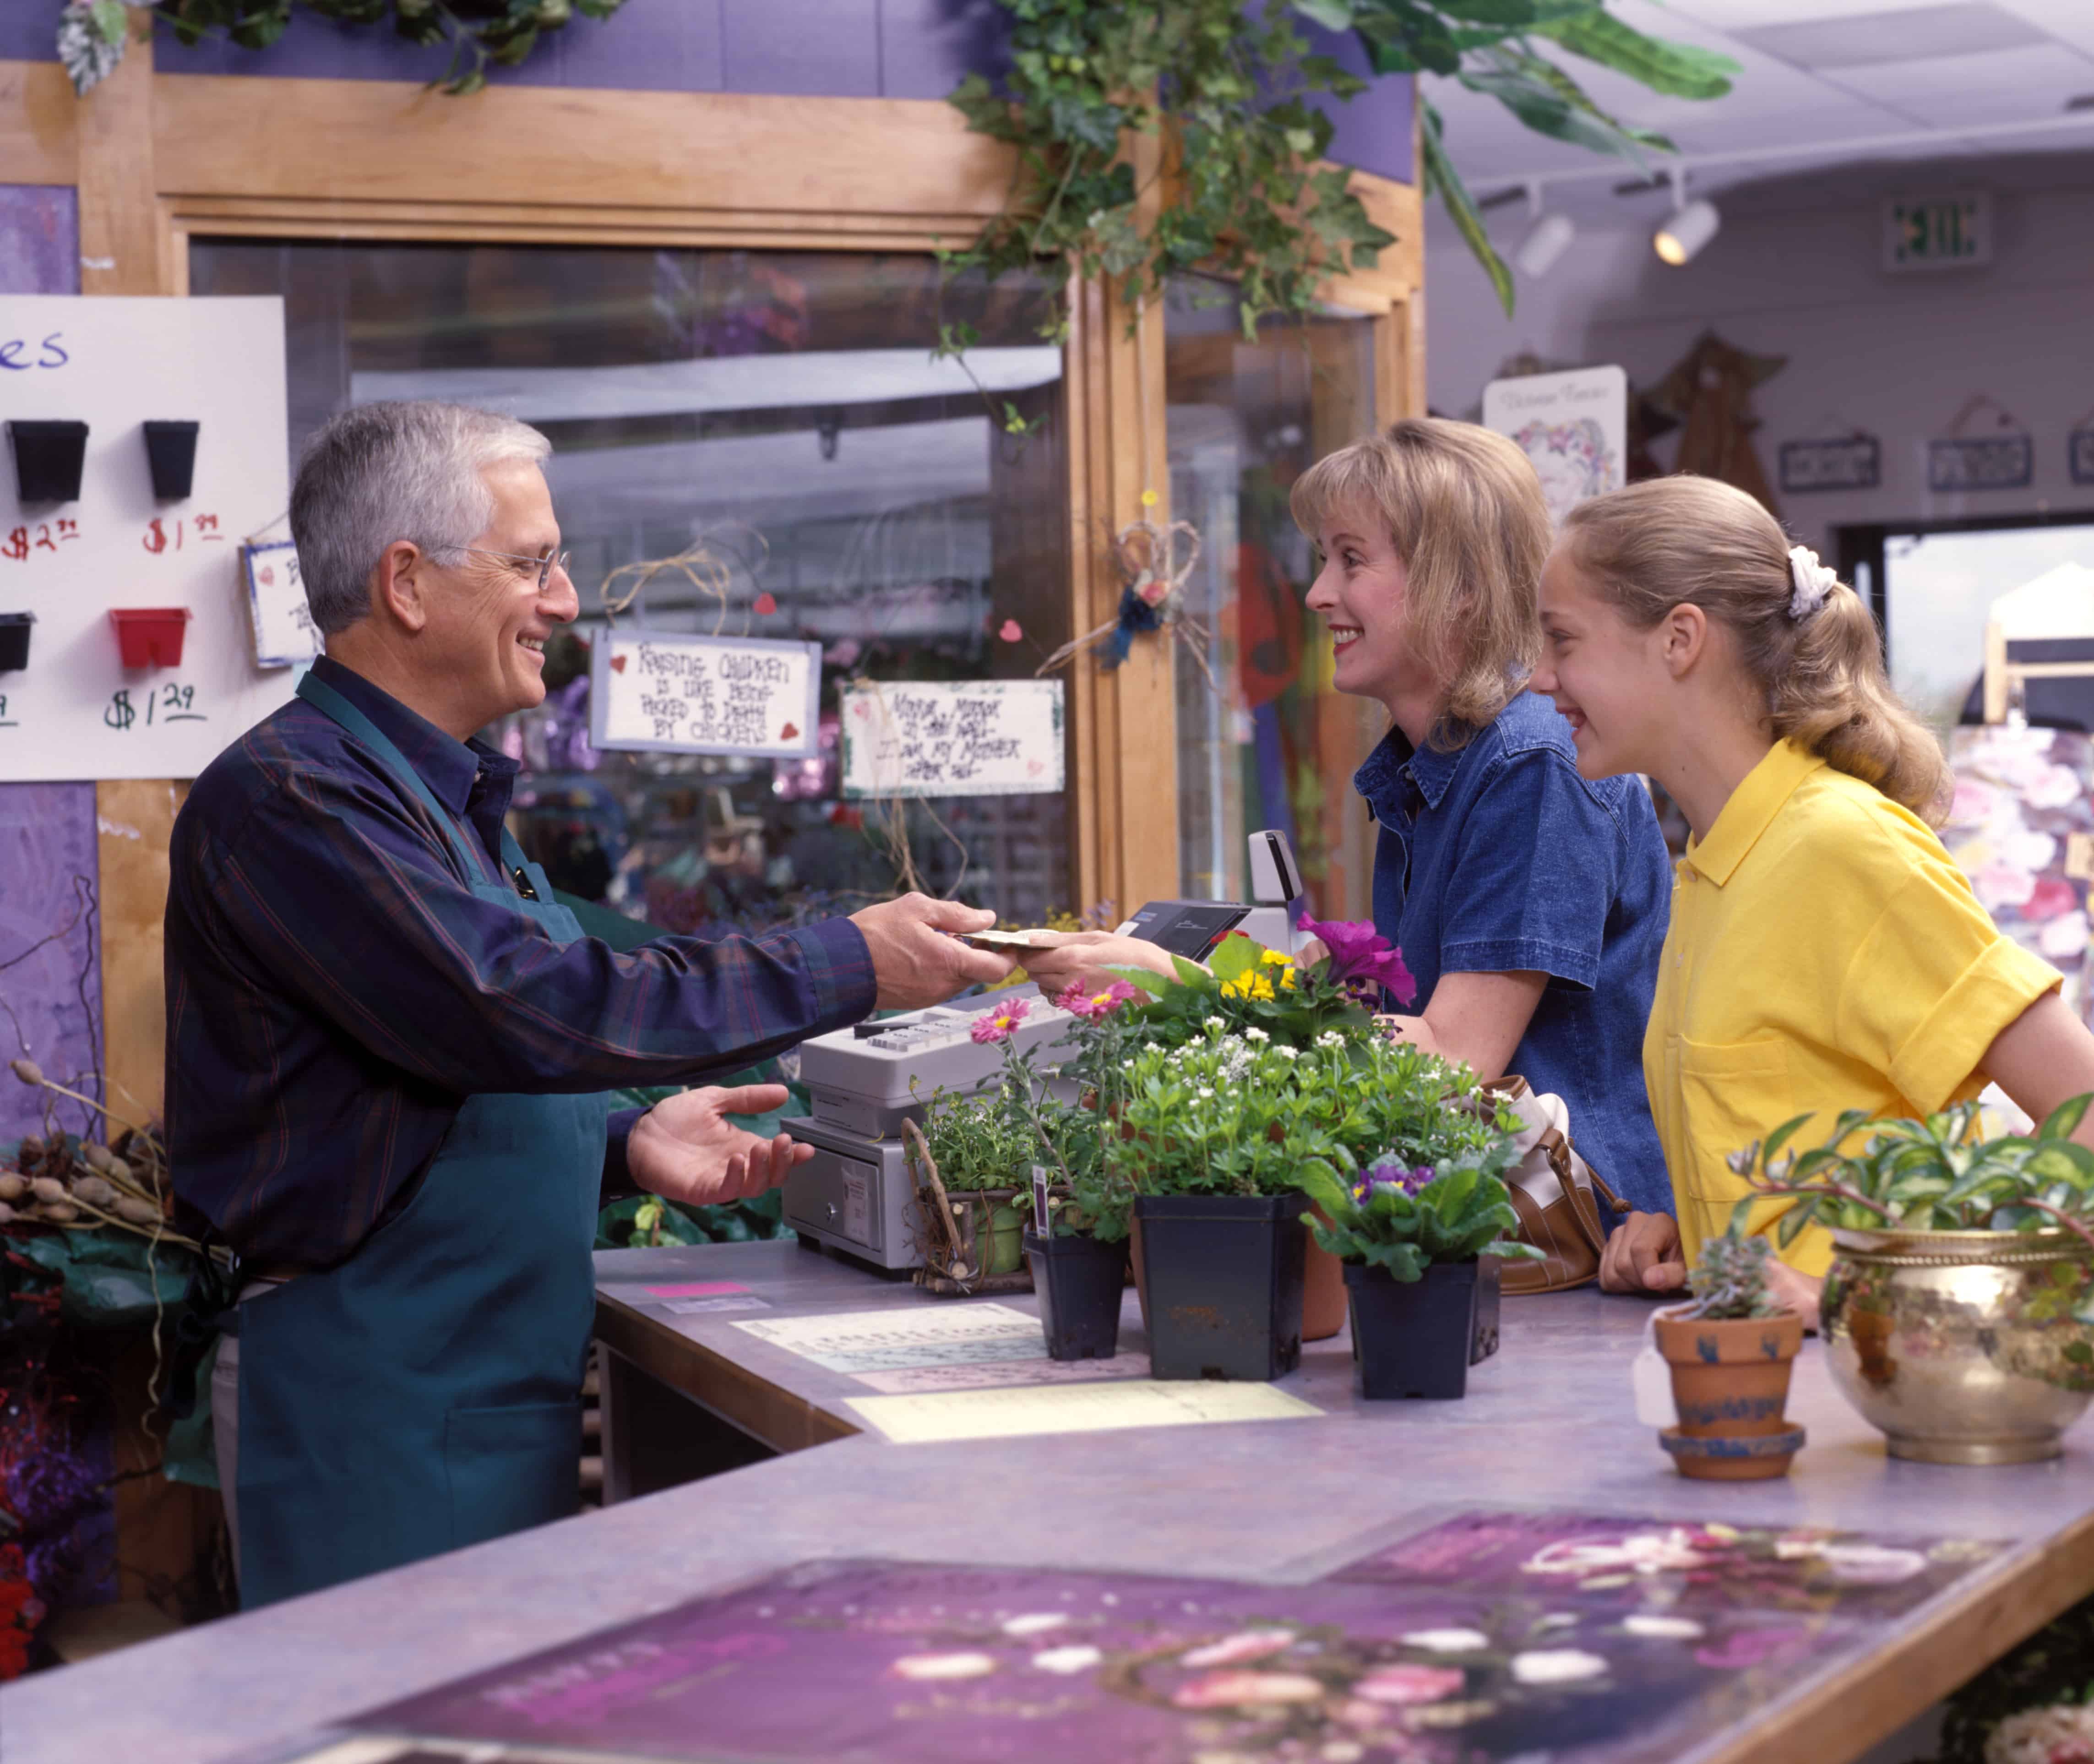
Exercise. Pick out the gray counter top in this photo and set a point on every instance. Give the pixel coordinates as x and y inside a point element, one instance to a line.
<point>1548,1421</point>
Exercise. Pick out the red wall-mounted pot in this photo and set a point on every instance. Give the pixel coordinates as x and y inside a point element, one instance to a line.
<point>151,637</point>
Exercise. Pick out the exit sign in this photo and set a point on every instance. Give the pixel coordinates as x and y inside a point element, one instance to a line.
<point>1937,232</point>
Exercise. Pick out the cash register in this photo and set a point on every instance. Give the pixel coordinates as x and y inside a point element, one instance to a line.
<point>855,1196</point>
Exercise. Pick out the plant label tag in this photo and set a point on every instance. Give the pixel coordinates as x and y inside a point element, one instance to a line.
<point>1041,1222</point>
<point>1651,1381</point>
<point>1651,1378</point>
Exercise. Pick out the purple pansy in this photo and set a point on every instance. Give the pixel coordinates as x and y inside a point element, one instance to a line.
<point>1388,1174</point>
<point>1362,957</point>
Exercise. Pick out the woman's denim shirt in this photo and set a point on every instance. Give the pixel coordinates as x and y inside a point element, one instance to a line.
<point>1500,858</point>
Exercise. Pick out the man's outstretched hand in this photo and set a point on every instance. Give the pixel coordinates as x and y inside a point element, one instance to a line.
<point>684,1149</point>
<point>915,962</point>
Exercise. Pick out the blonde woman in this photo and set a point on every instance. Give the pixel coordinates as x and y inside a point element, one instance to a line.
<point>1825,953</point>
<point>1529,901</point>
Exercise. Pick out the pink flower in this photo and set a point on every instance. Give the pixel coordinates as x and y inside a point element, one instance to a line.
<point>1235,1690</point>
<point>1245,1645</point>
<point>1091,1005</point>
<point>1362,957</point>
<point>1001,1024</point>
<point>1410,1684</point>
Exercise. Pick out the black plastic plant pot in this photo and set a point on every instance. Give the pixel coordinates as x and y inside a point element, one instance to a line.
<point>1415,1338</point>
<point>1080,1281</point>
<point>1489,1268</point>
<point>171,453</point>
<point>15,641</point>
<point>1223,1273</point>
<point>48,459</point>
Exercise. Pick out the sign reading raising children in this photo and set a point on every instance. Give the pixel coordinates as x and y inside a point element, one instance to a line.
<point>914,738</point>
<point>669,691</point>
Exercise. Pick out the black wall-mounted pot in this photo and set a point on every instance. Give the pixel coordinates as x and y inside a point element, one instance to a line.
<point>15,641</point>
<point>171,451</point>
<point>48,458</point>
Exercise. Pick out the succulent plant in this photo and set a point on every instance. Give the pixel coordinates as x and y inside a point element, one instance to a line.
<point>1729,1278</point>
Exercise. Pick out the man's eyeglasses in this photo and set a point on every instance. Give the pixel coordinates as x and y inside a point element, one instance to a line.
<point>547,562</point>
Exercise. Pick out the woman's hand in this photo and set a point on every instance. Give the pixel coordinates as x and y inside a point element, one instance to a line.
<point>1644,1256</point>
<point>684,1149</point>
<point>1082,958</point>
<point>1794,1291</point>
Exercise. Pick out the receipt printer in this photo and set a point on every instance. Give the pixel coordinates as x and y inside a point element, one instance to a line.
<point>1193,929</point>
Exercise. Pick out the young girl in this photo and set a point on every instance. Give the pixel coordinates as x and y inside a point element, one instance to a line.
<point>1529,902</point>
<point>1824,952</point>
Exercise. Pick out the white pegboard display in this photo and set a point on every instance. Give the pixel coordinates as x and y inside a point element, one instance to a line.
<point>76,711</point>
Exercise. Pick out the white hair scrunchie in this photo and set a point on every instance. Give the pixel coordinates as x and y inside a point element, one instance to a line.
<point>1813,582</point>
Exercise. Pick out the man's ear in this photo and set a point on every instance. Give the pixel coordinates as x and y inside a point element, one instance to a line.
<point>1683,639</point>
<point>397,589</point>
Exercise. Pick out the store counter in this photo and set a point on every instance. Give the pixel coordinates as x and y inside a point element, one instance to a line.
<point>1548,1423</point>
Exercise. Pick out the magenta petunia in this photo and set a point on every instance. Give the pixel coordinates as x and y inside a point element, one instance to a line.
<point>1362,957</point>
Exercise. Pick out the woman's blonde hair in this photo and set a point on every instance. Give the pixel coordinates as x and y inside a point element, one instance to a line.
<point>1691,541</point>
<point>1465,509</point>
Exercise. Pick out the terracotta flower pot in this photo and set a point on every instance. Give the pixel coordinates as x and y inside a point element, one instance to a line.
<point>1729,1382</point>
<point>1322,1289</point>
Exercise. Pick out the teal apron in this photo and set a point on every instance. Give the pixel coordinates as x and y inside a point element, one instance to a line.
<point>426,1393</point>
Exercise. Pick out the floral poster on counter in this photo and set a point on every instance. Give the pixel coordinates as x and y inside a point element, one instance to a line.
<point>2022,827</point>
<point>1446,1649</point>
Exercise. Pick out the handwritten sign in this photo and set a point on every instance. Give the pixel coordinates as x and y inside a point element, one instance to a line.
<point>1573,426</point>
<point>283,631</point>
<point>988,737</point>
<point>669,692</point>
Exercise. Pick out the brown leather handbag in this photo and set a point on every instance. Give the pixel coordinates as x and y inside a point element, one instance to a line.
<point>1556,1194</point>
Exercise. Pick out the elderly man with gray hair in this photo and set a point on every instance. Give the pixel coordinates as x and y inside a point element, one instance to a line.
<point>387,1043</point>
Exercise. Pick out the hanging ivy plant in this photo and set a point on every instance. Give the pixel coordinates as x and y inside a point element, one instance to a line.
<point>1244,194</point>
<point>481,33</point>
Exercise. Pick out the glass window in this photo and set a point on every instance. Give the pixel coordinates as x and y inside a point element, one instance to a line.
<point>1264,740</point>
<point>775,420</point>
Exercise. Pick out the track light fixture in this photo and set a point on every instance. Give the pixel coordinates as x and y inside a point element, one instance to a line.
<point>1546,240</point>
<point>1691,225</point>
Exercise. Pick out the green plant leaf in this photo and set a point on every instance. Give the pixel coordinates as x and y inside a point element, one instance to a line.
<point>1780,1136</point>
<point>1440,175</point>
<point>2064,1120</point>
<point>1332,15</point>
<point>1678,70</point>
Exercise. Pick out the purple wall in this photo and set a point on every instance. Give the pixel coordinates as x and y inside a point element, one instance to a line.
<point>896,49</point>
<point>46,830</point>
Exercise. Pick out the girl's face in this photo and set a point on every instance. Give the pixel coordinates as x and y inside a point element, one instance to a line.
<point>1362,592</point>
<point>1608,679</point>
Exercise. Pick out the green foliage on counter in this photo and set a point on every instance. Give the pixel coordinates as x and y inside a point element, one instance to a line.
<point>1931,1175</point>
<point>1406,1220</point>
<point>91,33</point>
<point>1729,1279</point>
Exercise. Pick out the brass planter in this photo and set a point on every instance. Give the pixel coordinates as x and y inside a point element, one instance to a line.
<point>1961,1346</point>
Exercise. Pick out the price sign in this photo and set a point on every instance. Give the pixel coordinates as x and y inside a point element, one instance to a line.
<point>283,631</point>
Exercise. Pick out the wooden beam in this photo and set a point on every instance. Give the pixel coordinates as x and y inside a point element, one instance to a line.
<point>124,249</point>
<point>37,144</point>
<point>383,141</point>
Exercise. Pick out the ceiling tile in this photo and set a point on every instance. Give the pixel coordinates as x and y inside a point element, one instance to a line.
<point>1745,14</point>
<point>2069,21</point>
<point>1912,33</point>
<point>2009,86</point>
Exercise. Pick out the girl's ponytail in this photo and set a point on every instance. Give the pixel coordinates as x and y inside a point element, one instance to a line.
<point>1657,545</point>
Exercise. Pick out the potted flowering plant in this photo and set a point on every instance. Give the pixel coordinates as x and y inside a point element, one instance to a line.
<point>1958,1311</point>
<point>1220,1134</point>
<point>1730,1352</point>
<point>1248,987</point>
<point>1415,1241</point>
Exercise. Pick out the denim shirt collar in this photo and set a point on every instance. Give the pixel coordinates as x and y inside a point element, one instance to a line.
<point>1395,763</point>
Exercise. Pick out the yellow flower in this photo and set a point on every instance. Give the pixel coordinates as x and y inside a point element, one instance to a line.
<point>1251,984</point>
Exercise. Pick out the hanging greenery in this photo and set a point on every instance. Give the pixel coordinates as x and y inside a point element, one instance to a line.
<point>1244,192</point>
<point>481,33</point>
<point>1244,195</point>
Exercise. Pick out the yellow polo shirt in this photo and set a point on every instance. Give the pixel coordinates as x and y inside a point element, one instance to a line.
<point>1824,954</point>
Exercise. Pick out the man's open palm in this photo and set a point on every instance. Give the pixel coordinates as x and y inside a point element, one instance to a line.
<point>684,1149</point>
